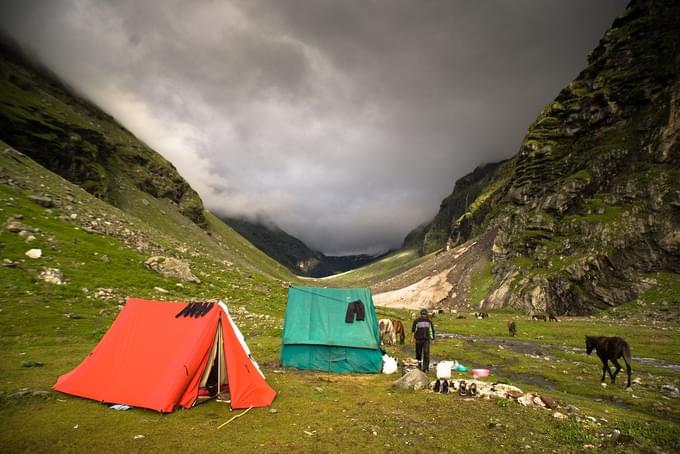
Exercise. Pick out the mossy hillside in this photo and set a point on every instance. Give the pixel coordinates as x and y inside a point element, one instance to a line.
<point>46,120</point>
<point>594,187</point>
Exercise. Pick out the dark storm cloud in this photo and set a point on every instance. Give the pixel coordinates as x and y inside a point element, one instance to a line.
<point>346,122</point>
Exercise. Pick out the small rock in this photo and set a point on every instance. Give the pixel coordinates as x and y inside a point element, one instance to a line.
<point>549,402</point>
<point>42,201</point>
<point>73,216</point>
<point>273,411</point>
<point>76,426</point>
<point>138,437</point>
<point>105,258</point>
<point>160,290</point>
<point>7,263</point>
<point>637,381</point>
<point>19,394</point>
<point>31,364</point>
<point>414,380</point>
<point>34,253</point>
<point>588,446</point>
<point>670,390</point>
<point>72,316</point>
<point>52,276</point>
<point>41,393</point>
<point>572,409</point>
<point>603,384</point>
<point>558,415</point>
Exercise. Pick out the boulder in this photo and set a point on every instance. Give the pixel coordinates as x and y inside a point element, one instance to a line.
<point>52,276</point>
<point>549,402</point>
<point>34,253</point>
<point>42,201</point>
<point>413,380</point>
<point>171,267</point>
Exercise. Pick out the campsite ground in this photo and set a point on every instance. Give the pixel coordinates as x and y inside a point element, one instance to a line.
<point>47,329</point>
<point>329,413</point>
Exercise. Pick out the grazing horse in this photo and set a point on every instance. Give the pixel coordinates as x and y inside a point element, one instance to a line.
<point>610,349</point>
<point>512,328</point>
<point>387,334</point>
<point>539,317</point>
<point>399,330</point>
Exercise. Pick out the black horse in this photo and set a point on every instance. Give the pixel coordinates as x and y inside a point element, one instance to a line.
<point>610,349</point>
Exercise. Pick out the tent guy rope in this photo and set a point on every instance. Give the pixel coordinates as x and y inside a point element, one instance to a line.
<point>237,416</point>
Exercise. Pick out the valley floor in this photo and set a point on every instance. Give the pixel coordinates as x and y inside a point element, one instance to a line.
<point>320,412</point>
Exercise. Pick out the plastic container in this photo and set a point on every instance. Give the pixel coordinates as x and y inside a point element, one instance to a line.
<point>444,369</point>
<point>479,373</point>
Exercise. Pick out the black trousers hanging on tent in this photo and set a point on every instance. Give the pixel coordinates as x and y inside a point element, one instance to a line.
<point>355,307</point>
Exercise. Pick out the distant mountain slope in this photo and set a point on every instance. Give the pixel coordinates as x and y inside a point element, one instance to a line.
<point>590,206</point>
<point>45,120</point>
<point>293,253</point>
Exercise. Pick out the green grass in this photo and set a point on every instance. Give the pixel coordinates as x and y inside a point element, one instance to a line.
<point>480,284</point>
<point>391,265</point>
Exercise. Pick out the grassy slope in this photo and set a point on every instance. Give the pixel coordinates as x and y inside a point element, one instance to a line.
<point>365,276</point>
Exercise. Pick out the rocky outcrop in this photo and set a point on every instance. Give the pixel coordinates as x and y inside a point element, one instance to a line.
<point>590,202</point>
<point>171,267</point>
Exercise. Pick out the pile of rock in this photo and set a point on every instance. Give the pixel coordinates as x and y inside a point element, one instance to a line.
<point>171,267</point>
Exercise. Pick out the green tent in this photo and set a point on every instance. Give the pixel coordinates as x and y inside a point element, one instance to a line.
<point>317,336</point>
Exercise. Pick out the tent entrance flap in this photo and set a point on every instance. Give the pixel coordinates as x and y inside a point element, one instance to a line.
<point>214,380</point>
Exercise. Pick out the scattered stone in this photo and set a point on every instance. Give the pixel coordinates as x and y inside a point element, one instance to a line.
<point>670,390</point>
<point>273,411</point>
<point>73,216</point>
<point>34,253</point>
<point>549,402</point>
<point>637,381</point>
<point>138,437</point>
<point>7,263</point>
<point>30,238</point>
<point>23,392</point>
<point>42,201</point>
<point>31,364</point>
<point>52,276</point>
<point>105,258</point>
<point>160,290</point>
<point>15,227</point>
<point>603,384</point>
<point>558,415</point>
<point>413,380</point>
<point>40,393</point>
<point>588,446</point>
<point>171,267</point>
<point>73,316</point>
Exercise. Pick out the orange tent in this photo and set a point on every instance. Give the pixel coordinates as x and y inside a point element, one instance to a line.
<point>152,359</point>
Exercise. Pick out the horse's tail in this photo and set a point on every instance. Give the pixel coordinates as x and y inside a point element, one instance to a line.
<point>626,354</point>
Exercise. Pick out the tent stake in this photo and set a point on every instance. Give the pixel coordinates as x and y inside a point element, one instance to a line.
<point>237,416</point>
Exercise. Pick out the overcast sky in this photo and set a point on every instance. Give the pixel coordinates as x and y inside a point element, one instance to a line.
<point>345,122</point>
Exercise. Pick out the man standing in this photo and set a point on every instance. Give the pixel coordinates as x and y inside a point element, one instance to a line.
<point>423,331</point>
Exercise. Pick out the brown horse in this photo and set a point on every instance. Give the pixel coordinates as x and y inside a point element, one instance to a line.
<point>512,328</point>
<point>399,330</point>
<point>610,349</point>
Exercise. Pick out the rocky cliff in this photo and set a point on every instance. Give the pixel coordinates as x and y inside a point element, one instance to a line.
<point>590,205</point>
<point>47,121</point>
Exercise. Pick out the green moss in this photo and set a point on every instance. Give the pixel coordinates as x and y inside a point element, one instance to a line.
<point>481,283</point>
<point>582,175</point>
